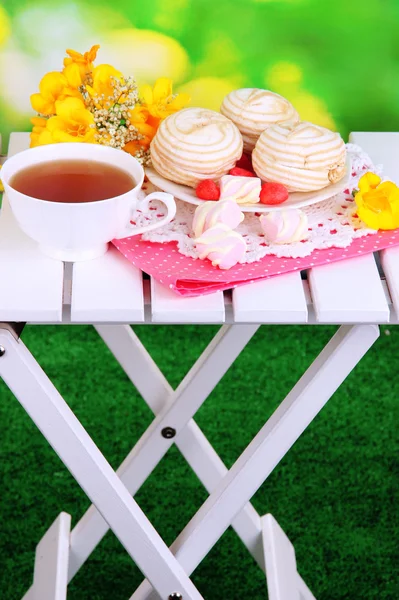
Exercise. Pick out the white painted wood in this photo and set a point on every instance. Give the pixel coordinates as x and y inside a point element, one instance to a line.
<point>390,265</point>
<point>304,591</point>
<point>198,452</point>
<point>107,289</point>
<point>281,571</point>
<point>383,148</point>
<point>279,299</point>
<point>348,291</point>
<point>30,283</point>
<point>168,307</point>
<point>65,434</point>
<point>283,579</point>
<point>50,578</point>
<point>176,411</point>
<point>259,459</point>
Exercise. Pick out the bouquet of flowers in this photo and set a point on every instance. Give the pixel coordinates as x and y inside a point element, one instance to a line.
<point>98,104</point>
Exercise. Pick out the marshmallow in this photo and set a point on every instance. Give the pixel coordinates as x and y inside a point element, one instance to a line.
<point>209,214</point>
<point>285,226</point>
<point>222,246</point>
<point>244,190</point>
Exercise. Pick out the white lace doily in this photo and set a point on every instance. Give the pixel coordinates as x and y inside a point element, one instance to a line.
<point>332,223</point>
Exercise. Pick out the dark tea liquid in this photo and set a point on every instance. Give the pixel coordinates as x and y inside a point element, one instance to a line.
<point>72,181</point>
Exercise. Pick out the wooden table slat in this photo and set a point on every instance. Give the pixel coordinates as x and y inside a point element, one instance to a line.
<point>168,307</point>
<point>276,300</point>
<point>384,148</point>
<point>107,289</point>
<point>348,291</point>
<point>31,284</point>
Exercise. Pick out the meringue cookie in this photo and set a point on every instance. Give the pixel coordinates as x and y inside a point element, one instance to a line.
<point>194,144</point>
<point>285,226</point>
<point>253,110</point>
<point>244,190</point>
<point>221,245</point>
<point>210,214</point>
<point>304,157</point>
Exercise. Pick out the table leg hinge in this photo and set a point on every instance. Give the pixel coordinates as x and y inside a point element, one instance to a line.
<point>168,433</point>
<point>15,328</point>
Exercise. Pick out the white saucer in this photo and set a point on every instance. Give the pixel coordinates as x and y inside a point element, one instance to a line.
<point>295,200</point>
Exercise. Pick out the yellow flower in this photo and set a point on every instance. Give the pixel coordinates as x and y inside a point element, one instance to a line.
<point>160,101</point>
<point>54,86</point>
<point>84,62</point>
<point>147,131</point>
<point>72,123</point>
<point>1,185</point>
<point>102,82</point>
<point>73,76</point>
<point>378,203</point>
<point>139,118</point>
<point>39,126</point>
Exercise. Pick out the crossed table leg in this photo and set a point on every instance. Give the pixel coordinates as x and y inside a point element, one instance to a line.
<point>166,570</point>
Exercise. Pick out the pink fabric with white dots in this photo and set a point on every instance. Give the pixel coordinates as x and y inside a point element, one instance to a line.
<point>189,277</point>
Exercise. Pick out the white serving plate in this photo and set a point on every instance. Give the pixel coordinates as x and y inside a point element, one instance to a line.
<point>295,199</point>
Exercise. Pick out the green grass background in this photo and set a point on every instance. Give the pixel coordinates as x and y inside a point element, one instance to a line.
<point>336,493</point>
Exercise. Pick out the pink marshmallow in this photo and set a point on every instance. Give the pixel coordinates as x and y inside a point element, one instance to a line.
<point>222,246</point>
<point>285,226</point>
<point>210,214</point>
<point>244,190</point>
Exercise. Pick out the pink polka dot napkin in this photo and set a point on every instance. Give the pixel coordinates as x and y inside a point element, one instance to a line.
<point>190,277</point>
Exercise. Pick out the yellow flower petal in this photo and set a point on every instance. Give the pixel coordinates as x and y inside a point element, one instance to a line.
<point>102,83</point>
<point>102,74</point>
<point>162,90</point>
<point>74,110</point>
<point>91,55</point>
<point>179,102</point>
<point>369,181</point>
<point>52,85</point>
<point>160,101</point>
<point>38,121</point>
<point>1,185</point>
<point>132,147</point>
<point>388,187</point>
<point>56,123</point>
<point>84,62</point>
<point>75,56</point>
<point>64,136</point>
<point>87,57</point>
<point>42,105</point>
<point>371,219</point>
<point>146,94</point>
<point>73,75</point>
<point>378,203</point>
<point>139,114</point>
<point>45,138</point>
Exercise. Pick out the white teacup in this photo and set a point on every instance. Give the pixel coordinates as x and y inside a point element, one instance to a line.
<point>80,231</point>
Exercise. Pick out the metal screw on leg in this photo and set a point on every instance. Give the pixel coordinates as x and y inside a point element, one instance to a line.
<point>175,596</point>
<point>2,351</point>
<point>169,432</point>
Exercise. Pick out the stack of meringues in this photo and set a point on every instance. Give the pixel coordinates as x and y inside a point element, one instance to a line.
<point>195,144</point>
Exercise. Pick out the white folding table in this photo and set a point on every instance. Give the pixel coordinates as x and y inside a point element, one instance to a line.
<point>110,294</point>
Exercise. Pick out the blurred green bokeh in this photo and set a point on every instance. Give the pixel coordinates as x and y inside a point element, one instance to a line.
<point>338,62</point>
